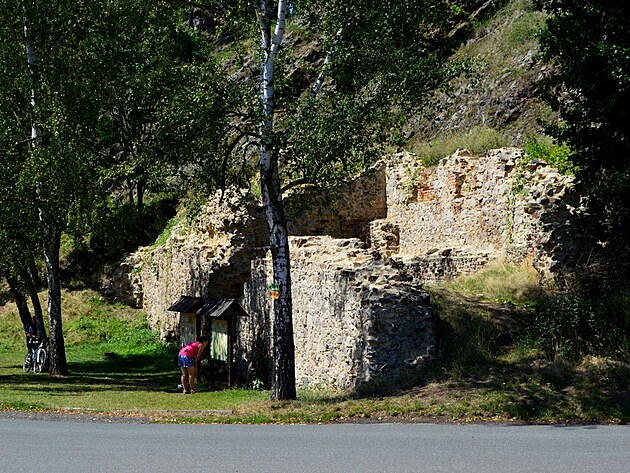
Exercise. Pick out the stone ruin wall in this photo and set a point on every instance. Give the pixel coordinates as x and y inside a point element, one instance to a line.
<point>359,311</point>
<point>454,218</point>
<point>208,257</point>
<point>346,213</point>
<point>354,319</point>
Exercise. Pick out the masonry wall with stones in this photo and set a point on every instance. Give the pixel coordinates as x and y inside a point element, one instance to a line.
<point>359,312</point>
<point>355,318</point>
<point>469,210</point>
<point>345,213</point>
<point>207,256</point>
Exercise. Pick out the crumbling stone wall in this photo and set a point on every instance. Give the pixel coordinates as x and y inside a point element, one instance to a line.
<point>208,257</point>
<point>346,213</point>
<point>497,205</point>
<point>359,312</point>
<point>355,318</point>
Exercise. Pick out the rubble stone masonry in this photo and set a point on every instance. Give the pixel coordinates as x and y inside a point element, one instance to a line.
<point>359,261</point>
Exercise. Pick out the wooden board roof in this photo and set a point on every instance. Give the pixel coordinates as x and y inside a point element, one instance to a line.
<point>187,304</point>
<point>211,308</point>
<point>217,307</point>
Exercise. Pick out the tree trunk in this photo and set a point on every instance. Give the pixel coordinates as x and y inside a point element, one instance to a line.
<point>20,302</point>
<point>32,270</point>
<point>51,237</point>
<point>52,243</point>
<point>32,69</point>
<point>38,315</point>
<point>283,382</point>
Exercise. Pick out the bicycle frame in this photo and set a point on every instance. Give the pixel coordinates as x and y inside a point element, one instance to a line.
<point>36,356</point>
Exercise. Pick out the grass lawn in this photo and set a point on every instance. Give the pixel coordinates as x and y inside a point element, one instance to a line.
<point>471,381</point>
<point>133,384</point>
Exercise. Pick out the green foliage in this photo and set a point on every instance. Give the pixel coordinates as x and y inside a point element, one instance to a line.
<point>544,149</point>
<point>167,231</point>
<point>588,315</point>
<point>116,230</point>
<point>383,59</point>
<point>127,106</point>
<point>160,97</point>
<point>477,141</point>
<point>502,282</point>
<point>588,44</point>
<point>522,32</point>
<point>352,135</point>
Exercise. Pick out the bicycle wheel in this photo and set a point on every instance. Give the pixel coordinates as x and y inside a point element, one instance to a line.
<point>28,363</point>
<point>40,360</point>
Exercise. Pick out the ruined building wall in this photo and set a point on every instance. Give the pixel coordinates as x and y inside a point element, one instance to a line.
<point>358,262</point>
<point>359,312</point>
<point>208,256</point>
<point>354,319</point>
<point>468,210</point>
<point>345,213</point>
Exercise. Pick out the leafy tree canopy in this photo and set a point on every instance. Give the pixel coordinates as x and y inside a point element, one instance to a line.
<point>338,102</point>
<point>588,43</point>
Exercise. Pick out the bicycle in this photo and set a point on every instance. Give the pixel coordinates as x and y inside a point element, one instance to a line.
<point>36,356</point>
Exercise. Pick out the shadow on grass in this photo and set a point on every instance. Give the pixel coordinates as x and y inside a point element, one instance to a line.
<point>119,373</point>
<point>470,372</point>
<point>529,392</point>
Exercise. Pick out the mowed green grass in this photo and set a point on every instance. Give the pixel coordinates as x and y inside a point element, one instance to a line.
<point>116,364</point>
<point>471,381</point>
<point>130,384</point>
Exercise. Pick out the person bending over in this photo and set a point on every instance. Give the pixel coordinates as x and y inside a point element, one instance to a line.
<point>188,361</point>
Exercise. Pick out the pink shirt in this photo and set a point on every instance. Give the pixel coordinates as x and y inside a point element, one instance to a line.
<point>190,350</point>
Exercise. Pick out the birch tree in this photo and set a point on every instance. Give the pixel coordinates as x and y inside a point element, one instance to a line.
<point>375,63</point>
<point>18,244</point>
<point>283,384</point>
<point>58,117</point>
<point>51,76</point>
<point>95,93</point>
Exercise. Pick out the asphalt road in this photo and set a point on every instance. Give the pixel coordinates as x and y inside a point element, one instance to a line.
<point>68,447</point>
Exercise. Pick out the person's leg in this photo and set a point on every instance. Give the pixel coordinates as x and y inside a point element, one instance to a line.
<point>192,378</point>
<point>184,378</point>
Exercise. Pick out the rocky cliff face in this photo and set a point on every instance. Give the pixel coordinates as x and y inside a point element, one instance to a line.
<point>498,87</point>
<point>358,264</point>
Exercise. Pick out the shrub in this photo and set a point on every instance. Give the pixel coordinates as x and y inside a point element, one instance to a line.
<point>478,140</point>
<point>545,149</point>
<point>587,315</point>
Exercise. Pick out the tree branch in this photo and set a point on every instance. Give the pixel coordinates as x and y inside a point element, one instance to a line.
<point>280,27</point>
<point>317,87</point>
<point>297,182</point>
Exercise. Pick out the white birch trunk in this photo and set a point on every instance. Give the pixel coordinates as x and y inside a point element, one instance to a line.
<point>51,236</point>
<point>30,60</point>
<point>283,385</point>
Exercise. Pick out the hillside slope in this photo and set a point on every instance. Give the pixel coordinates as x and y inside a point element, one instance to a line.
<point>497,87</point>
